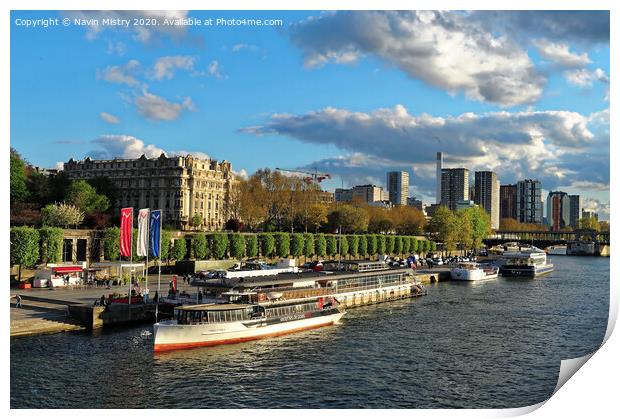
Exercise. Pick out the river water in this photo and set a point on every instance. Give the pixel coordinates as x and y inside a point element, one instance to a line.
<point>492,344</point>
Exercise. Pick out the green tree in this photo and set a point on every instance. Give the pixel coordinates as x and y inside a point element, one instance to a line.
<point>343,245</point>
<point>332,245</point>
<point>200,246</point>
<point>166,241</point>
<point>353,240</point>
<point>251,245</point>
<point>24,247</point>
<point>111,243</point>
<point>81,194</point>
<point>19,191</point>
<point>105,186</point>
<point>398,245</point>
<point>61,215</point>
<point>414,245</point>
<point>179,249</point>
<point>51,244</point>
<point>267,243</point>
<point>197,220</point>
<point>389,244</point>
<point>362,247</point>
<point>283,244</point>
<point>297,244</point>
<point>474,225</point>
<point>381,244</point>
<point>321,245</point>
<point>433,246</point>
<point>219,245</point>
<point>309,245</point>
<point>444,226</point>
<point>589,223</point>
<point>372,244</point>
<point>407,245</point>
<point>237,245</point>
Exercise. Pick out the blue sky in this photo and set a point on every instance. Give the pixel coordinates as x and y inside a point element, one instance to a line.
<point>355,94</point>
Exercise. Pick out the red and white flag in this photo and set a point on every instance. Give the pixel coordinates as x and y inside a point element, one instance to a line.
<point>126,231</point>
<point>142,247</point>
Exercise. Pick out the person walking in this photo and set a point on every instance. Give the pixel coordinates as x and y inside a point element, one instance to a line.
<point>18,301</point>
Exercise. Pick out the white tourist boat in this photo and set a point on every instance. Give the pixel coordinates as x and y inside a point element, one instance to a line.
<point>241,319</point>
<point>528,262</point>
<point>471,271</point>
<point>556,249</point>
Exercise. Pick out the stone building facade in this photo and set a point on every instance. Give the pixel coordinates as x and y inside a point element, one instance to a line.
<point>181,186</point>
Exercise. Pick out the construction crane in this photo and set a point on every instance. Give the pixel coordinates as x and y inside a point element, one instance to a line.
<point>308,177</point>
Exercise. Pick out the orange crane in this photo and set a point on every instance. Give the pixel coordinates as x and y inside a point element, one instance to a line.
<point>308,177</point>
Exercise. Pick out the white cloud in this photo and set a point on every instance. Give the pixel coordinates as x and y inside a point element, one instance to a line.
<point>443,49</point>
<point>109,118</point>
<point>157,108</point>
<point>116,48</point>
<point>214,69</point>
<point>585,78</point>
<point>123,74</point>
<point>130,147</point>
<point>560,54</point>
<point>559,147</point>
<point>242,46</point>
<point>243,174</point>
<point>165,67</point>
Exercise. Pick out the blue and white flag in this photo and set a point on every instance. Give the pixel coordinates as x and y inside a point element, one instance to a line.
<point>155,233</point>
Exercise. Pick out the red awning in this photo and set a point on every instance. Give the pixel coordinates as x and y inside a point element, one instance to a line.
<point>67,269</point>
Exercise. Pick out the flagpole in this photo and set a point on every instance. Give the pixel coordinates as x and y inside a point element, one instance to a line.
<point>161,216</point>
<point>130,258</point>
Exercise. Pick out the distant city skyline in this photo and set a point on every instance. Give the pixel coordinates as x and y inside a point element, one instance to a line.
<point>314,92</point>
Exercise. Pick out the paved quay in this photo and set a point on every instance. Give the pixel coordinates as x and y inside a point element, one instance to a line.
<point>44,310</point>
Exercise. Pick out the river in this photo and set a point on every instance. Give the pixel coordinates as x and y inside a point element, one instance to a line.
<point>493,344</point>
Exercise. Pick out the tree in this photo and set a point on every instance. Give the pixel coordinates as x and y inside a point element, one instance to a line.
<point>200,246</point>
<point>196,220</point>
<point>19,191</point>
<point>314,217</point>
<point>398,245</point>
<point>464,229</point>
<point>603,225</point>
<point>380,219</point>
<point>408,220</point>
<point>97,220</point>
<point>332,245</point>
<point>105,186</point>
<point>82,195</point>
<point>444,226</point>
<point>297,244</point>
<point>348,218</point>
<point>353,242</point>
<point>381,244</point>
<point>589,223</point>
<point>389,244</point>
<point>179,249</point>
<point>320,244</point>
<point>61,215</point>
<point>111,243</point>
<point>309,245</point>
<point>481,225</point>
<point>237,245</point>
<point>267,242</point>
<point>510,224</point>
<point>407,245</point>
<point>372,244</point>
<point>283,244</point>
<point>51,244</point>
<point>433,246</point>
<point>362,247</point>
<point>251,245</point>
<point>343,245</point>
<point>219,245</point>
<point>414,245</point>
<point>166,241</point>
<point>24,247</point>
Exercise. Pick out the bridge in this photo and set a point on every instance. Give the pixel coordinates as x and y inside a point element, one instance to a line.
<point>545,238</point>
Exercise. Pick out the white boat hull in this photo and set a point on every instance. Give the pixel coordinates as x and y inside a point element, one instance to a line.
<point>472,274</point>
<point>170,336</point>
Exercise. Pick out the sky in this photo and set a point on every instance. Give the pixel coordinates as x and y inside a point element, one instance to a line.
<point>352,94</point>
